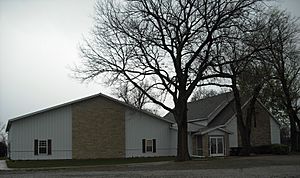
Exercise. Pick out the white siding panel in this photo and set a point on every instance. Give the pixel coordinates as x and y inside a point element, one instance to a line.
<point>233,137</point>
<point>275,132</point>
<point>216,133</point>
<point>173,142</point>
<point>54,124</point>
<point>140,126</point>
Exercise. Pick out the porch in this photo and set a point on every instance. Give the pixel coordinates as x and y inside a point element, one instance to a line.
<point>211,143</point>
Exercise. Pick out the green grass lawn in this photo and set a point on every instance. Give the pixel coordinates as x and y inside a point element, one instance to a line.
<point>83,162</point>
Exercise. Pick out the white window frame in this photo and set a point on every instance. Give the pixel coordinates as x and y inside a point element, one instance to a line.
<point>43,146</point>
<point>149,145</point>
<point>223,149</point>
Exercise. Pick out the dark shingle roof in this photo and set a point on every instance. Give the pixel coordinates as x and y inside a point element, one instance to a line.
<point>223,116</point>
<point>205,108</point>
<point>216,110</point>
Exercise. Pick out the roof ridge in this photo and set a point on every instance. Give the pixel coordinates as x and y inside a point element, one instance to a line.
<point>79,100</point>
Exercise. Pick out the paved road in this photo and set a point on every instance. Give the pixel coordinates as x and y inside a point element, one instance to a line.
<point>292,171</point>
<point>252,167</point>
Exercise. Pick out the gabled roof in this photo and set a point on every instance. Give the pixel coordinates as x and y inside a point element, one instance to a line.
<point>205,109</point>
<point>80,100</point>
<point>217,110</point>
<point>224,115</point>
<point>207,130</point>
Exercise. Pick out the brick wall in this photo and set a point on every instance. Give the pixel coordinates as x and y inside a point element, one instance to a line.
<point>261,131</point>
<point>205,144</point>
<point>194,145</point>
<point>98,129</point>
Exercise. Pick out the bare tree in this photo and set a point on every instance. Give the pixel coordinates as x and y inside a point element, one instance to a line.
<point>131,95</point>
<point>3,135</point>
<point>284,57</point>
<point>245,70</point>
<point>201,93</point>
<point>170,43</point>
<point>251,83</point>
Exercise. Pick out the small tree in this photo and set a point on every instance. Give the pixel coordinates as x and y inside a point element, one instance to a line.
<point>3,140</point>
<point>3,135</point>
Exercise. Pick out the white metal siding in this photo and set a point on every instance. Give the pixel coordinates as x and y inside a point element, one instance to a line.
<point>55,125</point>
<point>233,137</point>
<point>215,133</point>
<point>173,142</point>
<point>275,132</point>
<point>140,126</point>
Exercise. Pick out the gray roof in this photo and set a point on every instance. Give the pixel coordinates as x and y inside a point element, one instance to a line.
<point>83,99</point>
<point>223,116</point>
<point>205,109</point>
<point>216,110</point>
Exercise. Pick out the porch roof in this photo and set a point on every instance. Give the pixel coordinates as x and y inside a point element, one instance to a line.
<point>207,130</point>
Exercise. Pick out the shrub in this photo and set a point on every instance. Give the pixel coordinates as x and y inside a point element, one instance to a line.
<point>235,151</point>
<point>263,149</point>
<point>240,151</point>
<point>3,149</point>
<point>277,149</point>
<point>280,149</point>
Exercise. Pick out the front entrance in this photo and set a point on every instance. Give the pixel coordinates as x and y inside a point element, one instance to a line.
<point>216,146</point>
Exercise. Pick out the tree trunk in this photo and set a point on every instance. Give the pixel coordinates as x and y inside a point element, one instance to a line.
<point>182,135</point>
<point>249,116</point>
<point>293,118</point>
<point>182,143</point>
<point>295,144</point>
<point>243,130</point>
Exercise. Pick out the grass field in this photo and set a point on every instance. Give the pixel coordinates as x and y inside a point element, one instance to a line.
<point>83,162</point>
<point>196,163</point>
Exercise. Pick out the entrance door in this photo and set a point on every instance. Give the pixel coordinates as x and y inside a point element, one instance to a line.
<point>216,146</point>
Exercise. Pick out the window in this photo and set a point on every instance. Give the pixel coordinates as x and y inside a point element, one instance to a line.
<point>149,145</point>
<point>216,146</point>
<point>42,147</point>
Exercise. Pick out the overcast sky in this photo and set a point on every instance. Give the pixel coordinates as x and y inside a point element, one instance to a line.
<point>38,41</point>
